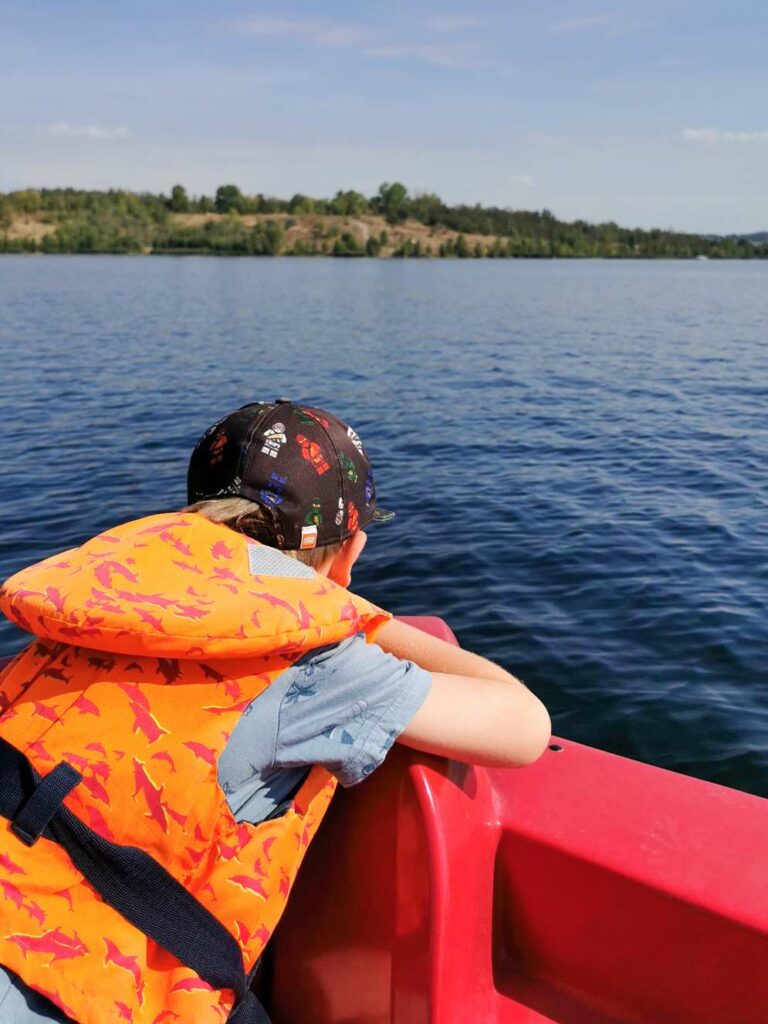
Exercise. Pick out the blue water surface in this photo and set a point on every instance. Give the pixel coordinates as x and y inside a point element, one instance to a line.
<point>576,452</point>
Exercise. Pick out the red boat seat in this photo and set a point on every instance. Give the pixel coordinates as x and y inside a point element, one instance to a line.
<point>584,889</point>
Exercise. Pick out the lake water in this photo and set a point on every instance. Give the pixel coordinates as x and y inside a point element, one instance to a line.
<point>576,452</point>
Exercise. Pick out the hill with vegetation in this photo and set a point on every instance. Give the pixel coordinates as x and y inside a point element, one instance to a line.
<point>390,224</point>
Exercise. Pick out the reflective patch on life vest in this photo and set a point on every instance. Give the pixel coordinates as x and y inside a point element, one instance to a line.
<point>266,561</point>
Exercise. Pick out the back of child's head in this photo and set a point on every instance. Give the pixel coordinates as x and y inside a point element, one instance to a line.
<point>252,519</point>
<point>291,476</point>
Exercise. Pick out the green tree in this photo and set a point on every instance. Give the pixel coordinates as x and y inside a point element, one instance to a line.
<point>300,204</point>
<point>462,248</point>
<point>266,239</point>
<point>179,199</point>
<point>426,207</point>
<point>347,245</point>
<point>392,202</point>
<point>228,197</point>
<point>348,204</point>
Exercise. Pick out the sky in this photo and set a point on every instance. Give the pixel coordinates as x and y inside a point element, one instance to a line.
<point>651,113</point>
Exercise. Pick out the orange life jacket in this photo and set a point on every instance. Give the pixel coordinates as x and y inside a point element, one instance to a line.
<point>153,639</point>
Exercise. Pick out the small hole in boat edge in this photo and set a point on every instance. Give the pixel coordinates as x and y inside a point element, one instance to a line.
<point>555,746</point>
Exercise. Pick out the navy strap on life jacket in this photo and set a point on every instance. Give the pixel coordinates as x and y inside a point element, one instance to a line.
<point>127,878</point>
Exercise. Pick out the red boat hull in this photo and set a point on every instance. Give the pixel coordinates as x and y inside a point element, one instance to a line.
<point>584,889</point>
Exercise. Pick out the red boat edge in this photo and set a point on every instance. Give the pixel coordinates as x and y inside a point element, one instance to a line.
<point>585,889</point>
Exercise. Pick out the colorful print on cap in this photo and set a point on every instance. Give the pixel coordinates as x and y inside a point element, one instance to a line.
<point>274,437</point>
<point>313,453</point>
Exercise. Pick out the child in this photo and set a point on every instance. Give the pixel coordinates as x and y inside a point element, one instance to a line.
<point>199,683</point>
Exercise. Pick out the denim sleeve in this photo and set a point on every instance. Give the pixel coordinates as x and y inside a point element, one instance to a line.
<point>345,707</point>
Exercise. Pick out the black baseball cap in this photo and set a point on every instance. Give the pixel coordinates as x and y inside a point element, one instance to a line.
<point>306,467</point>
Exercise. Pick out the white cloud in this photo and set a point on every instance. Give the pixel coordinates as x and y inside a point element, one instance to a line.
<point>267,26</point>
<point>714,135</point>
<point>450,55</point>
<point>451,23</point>
<point>64,129</point>
<point>370,42</point>
<point>611,21</point>
<point>522,182</point>
<point>313,30</point>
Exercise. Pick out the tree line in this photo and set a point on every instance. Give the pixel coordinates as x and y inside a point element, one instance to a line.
<point>74,220</point>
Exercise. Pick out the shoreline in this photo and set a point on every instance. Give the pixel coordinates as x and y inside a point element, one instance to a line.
<point>124,223</point>
<point>218,254</point>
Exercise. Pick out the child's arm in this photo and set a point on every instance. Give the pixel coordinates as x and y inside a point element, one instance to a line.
<point>475,710</point>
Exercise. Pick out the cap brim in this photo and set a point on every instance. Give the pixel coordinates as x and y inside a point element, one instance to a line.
<point>382,515</point>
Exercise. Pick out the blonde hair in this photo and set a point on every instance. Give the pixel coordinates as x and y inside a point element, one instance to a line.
<point>253,520</point>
